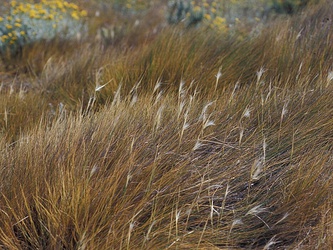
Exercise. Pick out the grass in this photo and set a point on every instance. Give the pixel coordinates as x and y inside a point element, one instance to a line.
<point>178,139</point>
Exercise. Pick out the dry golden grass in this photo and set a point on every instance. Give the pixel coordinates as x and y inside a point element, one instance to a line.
<point>194,142</point>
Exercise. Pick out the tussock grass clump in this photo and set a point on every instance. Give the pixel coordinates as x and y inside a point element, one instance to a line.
<point>141,176</point>
<point>185,140</point>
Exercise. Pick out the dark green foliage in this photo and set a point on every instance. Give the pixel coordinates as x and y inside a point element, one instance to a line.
<point>288,6</point>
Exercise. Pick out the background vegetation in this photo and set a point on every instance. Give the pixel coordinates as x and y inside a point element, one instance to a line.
<point>139,133</point>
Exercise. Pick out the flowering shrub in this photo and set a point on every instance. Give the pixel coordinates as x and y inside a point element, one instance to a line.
<point>197,13</point>
<point>184,10</point>
<point>29,22</point>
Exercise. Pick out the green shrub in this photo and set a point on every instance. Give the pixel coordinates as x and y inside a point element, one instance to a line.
<point>184,10</point>
<point>195,13</point>
<point>30,22</point>
<point>288,6</point>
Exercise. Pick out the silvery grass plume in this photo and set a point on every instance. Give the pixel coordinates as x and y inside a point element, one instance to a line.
<point>177,215</point>
<point>257,210</point>
<point>233,92</point>
<point>247,112</point>
<point>205,118</point>
<point>181,90</point>
<point>260,73</point>
<point>117,97</point>
<point>147,236</point>
<point>85,110</point>
<point>269,92</point>
<point>218,76</point>
<point>235,222</point>
<point>241,134</point>
<point>213,209</point>
<point>134,93</point>
<point>131,227</point>
<point>181,106</point>
<point>157,85</point>
<point>284,109</point>
<point>197,145</point>
<point>99,87</point>
<point>227,191</point>
<point>203,115</point>
<point>181,98</point>
<point>208,123</point>
<point>185,125</point>
<point>270,243</point>
<point>256,169</point>
<point>158,118</point>
<point>160,92</point>
<point>22,91</point>
<point>299,71</point>
<point>98,77</point>
<point>329,77</point>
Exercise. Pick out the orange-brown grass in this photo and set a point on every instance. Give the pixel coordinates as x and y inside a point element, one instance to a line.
<point>134,176</point>
<point>194,142</point>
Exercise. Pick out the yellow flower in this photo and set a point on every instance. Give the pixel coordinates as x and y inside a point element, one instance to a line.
<point>75,15</point>
<point>1,19</point>
<point>22,33</point>
<point>208,17</point>
<point>9,18</point>
<point>42,12</point>
<point>21,8</point>
<point>197,9</point>
<point>17,25</point>
<point>84,13</point>
<point>73,6</point>
<point>60,5</point>
<point>8,26</point>
<point>4,38</point>
<point>50,17</point>
<point>38,6</point>
<point>33,13</point>
<point>219,20</point>
<point>13,3</point>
